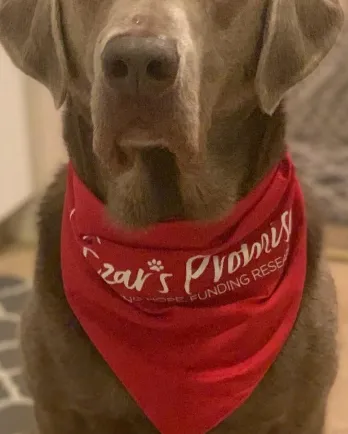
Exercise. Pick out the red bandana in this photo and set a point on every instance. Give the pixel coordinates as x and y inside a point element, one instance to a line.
<point>189,316</point>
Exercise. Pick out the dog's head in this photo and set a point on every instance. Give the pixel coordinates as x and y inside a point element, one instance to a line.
<point>157,76</point>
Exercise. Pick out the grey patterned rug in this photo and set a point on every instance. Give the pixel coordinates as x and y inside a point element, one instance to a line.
<point>16,416</point>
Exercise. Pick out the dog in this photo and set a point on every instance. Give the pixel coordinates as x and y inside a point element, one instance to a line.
<point>173,115</point>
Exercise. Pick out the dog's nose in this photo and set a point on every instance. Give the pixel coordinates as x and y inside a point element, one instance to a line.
<point>144,66</point>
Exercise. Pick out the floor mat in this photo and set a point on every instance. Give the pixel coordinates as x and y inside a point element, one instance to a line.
<point>16,415</point>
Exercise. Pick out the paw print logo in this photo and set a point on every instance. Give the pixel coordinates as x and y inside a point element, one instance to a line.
<point>155,265</point>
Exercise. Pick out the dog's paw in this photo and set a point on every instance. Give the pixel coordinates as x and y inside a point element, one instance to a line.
<point>155,265</point>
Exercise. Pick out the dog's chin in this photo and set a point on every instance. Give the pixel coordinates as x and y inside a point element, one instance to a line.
<point>154,188</point>
<point>147,191</point>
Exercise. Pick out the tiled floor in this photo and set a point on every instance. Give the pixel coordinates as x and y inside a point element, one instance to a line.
<point>15,413</point>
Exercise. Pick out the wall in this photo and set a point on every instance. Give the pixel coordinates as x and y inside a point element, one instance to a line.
<point>46,143</point>
<point>15,160</point>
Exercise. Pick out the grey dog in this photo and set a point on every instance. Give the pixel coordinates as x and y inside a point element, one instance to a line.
<point>228,65</point>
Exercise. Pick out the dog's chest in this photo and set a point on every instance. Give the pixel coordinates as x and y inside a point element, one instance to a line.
<point>94,391</point>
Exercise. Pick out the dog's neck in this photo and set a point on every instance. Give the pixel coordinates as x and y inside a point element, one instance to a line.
<point>246,144</point>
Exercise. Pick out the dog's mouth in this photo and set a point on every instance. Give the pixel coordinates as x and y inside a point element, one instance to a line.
<point>137,140</point>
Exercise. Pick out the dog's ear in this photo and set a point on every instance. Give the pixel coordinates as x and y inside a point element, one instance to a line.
<point>30,32</point>
<point>297,36</point>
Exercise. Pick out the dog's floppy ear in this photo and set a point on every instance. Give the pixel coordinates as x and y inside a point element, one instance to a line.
<point>297,36</point>
<point>30,32</point>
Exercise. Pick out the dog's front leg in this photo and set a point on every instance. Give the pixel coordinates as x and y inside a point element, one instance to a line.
<point>55,421</point>
<point>62,421</point>
<point>316,424</point>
